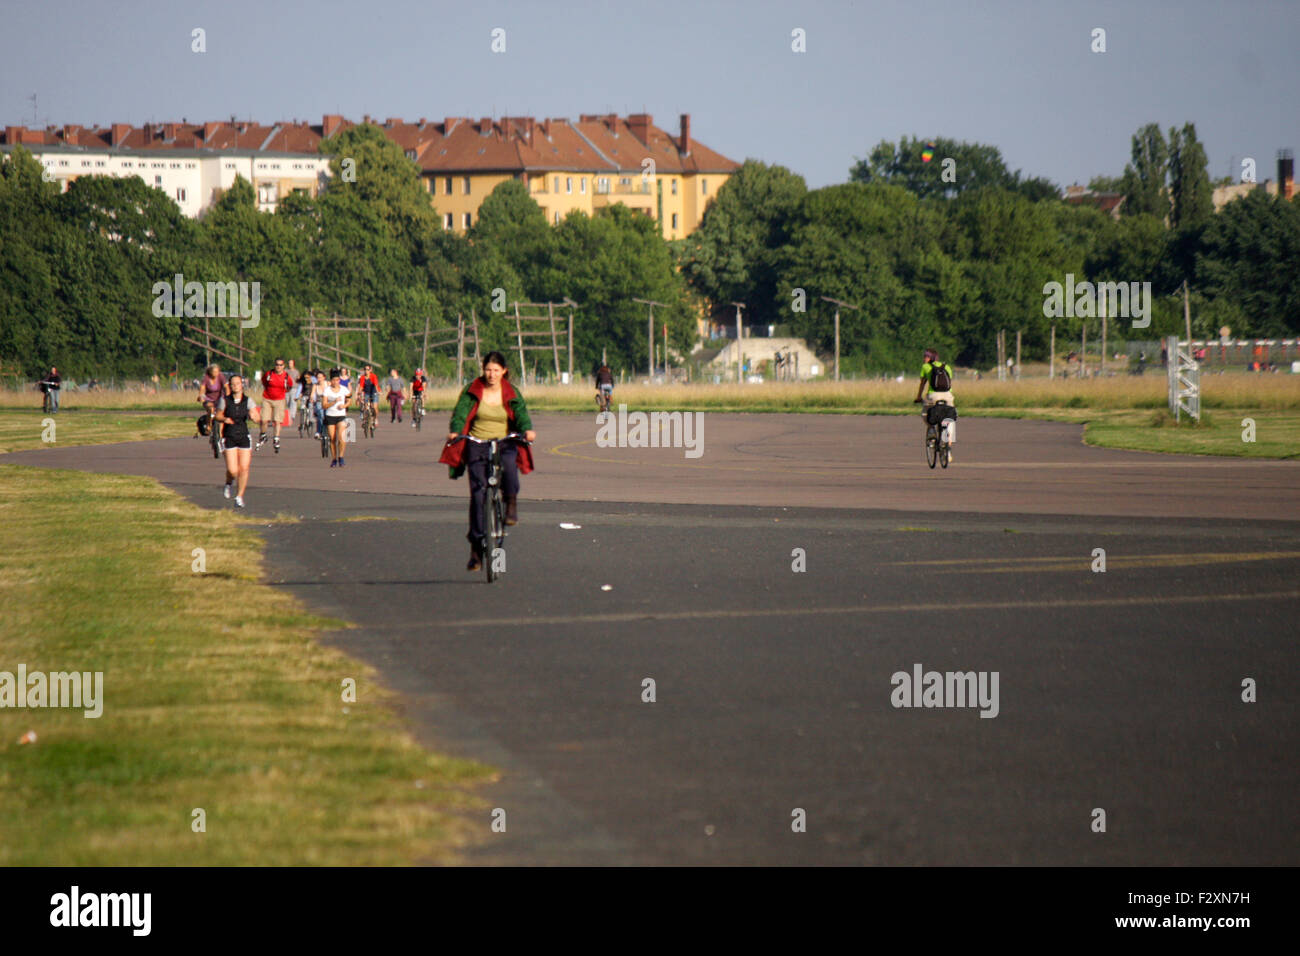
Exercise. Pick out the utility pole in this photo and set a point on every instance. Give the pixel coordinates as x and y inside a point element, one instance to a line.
<point>1017,355</point>
<point>740,332</point>
<point>1187,315</point>
<point>838,305</point>
<point>650,336</point>
<point>1051,360</point>
<point>572,305</point>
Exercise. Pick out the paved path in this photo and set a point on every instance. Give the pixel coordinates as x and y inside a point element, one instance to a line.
<point>1118,690</point>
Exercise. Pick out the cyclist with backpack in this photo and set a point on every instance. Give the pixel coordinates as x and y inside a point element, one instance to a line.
<point>936,378</point>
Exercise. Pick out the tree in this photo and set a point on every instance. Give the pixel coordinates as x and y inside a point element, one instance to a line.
<point>1189,183</point>
<point>1143,182</point>
<point>1248,253</point>
<point>729,258</point>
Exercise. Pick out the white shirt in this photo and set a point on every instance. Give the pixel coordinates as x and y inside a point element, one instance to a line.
<point>336,399</point>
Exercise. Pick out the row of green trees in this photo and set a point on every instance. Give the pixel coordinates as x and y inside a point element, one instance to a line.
<point>937,242</point>
<point>77,270</point>
<point>946,254</point>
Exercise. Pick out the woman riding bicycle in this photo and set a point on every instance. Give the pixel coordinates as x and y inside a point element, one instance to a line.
<point>489,407</point>
<point>213,387</point>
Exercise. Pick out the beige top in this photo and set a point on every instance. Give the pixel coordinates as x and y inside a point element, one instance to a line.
<point>491,421</point>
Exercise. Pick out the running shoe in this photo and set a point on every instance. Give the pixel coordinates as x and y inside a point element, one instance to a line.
<point>342,462</point>
<point>277,446</point>
<point>239,501</point>
<point>334,462</point>
<point>261,440</point>
<point>227,489</point>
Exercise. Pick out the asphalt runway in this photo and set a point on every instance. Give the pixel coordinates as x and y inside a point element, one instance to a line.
<point>775,687</point>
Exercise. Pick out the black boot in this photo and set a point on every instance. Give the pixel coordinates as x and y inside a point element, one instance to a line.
<point>512,513</point>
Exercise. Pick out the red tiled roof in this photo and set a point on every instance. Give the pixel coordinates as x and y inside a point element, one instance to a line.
<point>457,144</point>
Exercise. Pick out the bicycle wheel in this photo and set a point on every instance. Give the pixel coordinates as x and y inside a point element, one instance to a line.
<point>214,439</point>
<point>491,521</point>
<point>931,446</point>
<point>324,442</point>
<point>417,413</point>
<point>943,453</point>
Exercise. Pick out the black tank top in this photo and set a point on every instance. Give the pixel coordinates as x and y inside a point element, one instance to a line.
<point>236,431</point>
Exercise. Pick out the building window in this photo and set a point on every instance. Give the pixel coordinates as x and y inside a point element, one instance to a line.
<point>180,194</point>
<point>602,184</point>
<point>704,185</point>
<point>157,181</point>
<point>410,154</point>
<point>557,218</point>
<point>266,193</point>
<point>446,187</point>
<point>557,184</point>
<point>568,184</point>
<point>446,221</point>
<point>625,181</point>
<point>100,162</point>
<point>674,187</point>
<point>466,223</point>
<point>466,185</point>
<point>674,222</point>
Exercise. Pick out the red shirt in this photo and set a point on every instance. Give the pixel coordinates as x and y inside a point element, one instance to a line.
<point>274,385</point>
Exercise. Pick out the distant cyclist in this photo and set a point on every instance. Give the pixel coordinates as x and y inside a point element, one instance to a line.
<point>936,376</point>
<point>275,389</point>
<point>213,387</point>
<point>418,384</point>
<point>604,384</point>
<point>367,389</point>
<point>50,386</point>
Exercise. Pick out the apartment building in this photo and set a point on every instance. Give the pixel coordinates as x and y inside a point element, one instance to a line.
<point>567,166</point>
<point>191,163</point>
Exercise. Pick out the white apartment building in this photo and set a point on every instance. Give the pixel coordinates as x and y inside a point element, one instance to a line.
<point>193,178</point>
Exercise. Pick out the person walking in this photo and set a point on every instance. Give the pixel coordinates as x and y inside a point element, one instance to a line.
<point>396,393</point>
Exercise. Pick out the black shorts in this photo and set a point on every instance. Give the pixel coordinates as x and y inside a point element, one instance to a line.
<point>335,420</point>
<point>237,440</point>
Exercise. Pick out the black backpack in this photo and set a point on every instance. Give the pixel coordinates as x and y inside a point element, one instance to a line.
<point>940,378</point>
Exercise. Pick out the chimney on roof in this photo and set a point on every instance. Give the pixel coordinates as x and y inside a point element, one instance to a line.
<point>529,124</point>
<point>119,133</point>
<point>484,126</point>
<point>169,130</point>
<point>14,134</point>
<point>1285,174</point>
<point>639,124</point>
<point>393,121</point>
<point>209,131</point>
<point>422,122</point>
<point>330,124</point>
<point>685,142</point>
<point>70,133</point>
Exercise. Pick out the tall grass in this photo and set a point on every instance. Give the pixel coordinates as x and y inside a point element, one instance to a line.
<point>1267,392</point>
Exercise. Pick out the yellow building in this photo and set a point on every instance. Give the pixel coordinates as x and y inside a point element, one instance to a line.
<point>567,167</point>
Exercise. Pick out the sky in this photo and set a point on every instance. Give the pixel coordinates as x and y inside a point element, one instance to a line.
<point>1018,75</point>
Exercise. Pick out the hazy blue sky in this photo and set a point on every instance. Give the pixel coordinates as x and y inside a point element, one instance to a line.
<point>1019,75</point>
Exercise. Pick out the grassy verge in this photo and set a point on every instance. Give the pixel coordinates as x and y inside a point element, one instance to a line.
<point>215,696</point>
<point>1276,434</point>
<point>24,429</point>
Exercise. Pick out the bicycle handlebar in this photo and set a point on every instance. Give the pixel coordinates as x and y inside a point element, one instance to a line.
<point>513,436</point>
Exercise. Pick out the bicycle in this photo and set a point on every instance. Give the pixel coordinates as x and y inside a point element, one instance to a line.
<point>324,442</point>
<point>306,420</point>
<point>369,416</point>
<point>604,398</point>
<point>936,435</point>
<point>47,402</point>
<point>494,506</point>
<point>417,411</point>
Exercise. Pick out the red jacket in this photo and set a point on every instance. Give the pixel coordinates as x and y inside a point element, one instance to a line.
<point>275,384</point>
<point>453,455</point>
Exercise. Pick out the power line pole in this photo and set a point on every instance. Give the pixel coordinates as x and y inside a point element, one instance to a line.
<point>650,336</point>
<point>740,329</point>
<point>838,305</point>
